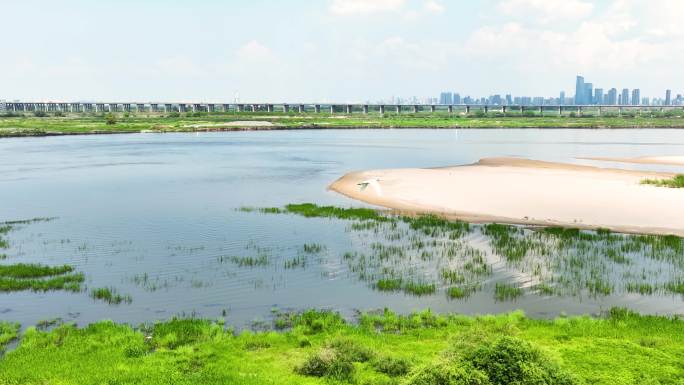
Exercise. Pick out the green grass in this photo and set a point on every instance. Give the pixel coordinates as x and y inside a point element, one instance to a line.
<point>28,125</point>
<point>320,348</point>
<point>675,182</point>
<point>261,260</point>
<point>507,292</point>
<point>23,270</point>
<point>110,296</point>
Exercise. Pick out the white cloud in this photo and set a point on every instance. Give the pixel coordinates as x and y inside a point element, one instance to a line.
<point>365,7</point>
<point>254,51</point>
<point>434,6</point>
<point>546,11</point>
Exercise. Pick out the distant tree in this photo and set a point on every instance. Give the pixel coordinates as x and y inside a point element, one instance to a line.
<point>110,119</point>
<point>39,114</point>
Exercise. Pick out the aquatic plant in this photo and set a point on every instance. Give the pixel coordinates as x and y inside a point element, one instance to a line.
<point>261,260</point>
<point>110,295</point>
<point>506,292</point>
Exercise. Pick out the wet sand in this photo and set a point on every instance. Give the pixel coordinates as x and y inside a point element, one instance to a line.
<point>664,160</point>
<point>521,191</point>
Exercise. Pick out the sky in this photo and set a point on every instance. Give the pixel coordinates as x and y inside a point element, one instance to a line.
<point>334,50</point>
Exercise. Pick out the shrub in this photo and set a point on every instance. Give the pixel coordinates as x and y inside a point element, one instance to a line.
<point>446,373</point>
<point>39,114</point>
<point>511,360</point>
<point>110,119</point>
<point>351,350</point>
<point>392,366</point>
<point>327,363</point>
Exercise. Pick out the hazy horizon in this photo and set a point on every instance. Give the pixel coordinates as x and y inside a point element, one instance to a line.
<point>336,50</point>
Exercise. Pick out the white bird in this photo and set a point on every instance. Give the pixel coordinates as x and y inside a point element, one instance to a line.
<point>375,183</point>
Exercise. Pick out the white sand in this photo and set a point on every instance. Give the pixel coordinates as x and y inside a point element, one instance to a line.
<point>522,191</point>
<point>666,160</point>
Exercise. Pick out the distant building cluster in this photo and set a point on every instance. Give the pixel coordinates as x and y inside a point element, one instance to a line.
<point>585,94</point>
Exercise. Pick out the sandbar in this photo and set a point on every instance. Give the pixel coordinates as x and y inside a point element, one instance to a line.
<point>527,192</point>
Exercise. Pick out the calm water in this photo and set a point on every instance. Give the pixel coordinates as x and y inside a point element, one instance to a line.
<point>152,214</point>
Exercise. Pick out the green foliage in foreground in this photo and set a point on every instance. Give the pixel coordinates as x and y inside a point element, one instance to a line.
<point>674,182</point>
<point>320,348</point>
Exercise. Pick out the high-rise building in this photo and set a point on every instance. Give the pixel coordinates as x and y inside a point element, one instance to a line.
<point>457,98</point>
<point>636,96</point>
<point>445,98</point>
<point>509,99</point>
<point>588,92</point>
<point>645,101</point>
<point>579,90</point>
<point>598,96</point>
<point>561,99</point>
<point>668,97</point>
<point>624,100</point>
<point>611,99</point>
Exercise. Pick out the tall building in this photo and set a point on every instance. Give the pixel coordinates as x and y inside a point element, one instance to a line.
<point>598,96</point>
<point>579,90</point>
<point>445,98</point>
<point>509,99</point>
<point>561,99</point>
<point>636,96</point>
<point>588,92</point>
<point>457,98</point>
<point>624,100</point>
<point>668,97</point>
<point>612,97</point>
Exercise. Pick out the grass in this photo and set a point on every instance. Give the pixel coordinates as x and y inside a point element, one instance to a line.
<point>320,348</point>
<point>110,296</point>
<point>507,292</point>
<point>35,277</point>
<point>28,125</point>
<point>675,182</point>
<point>261,260</point>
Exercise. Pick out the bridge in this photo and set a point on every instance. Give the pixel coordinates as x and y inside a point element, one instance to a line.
<point>332,108</point>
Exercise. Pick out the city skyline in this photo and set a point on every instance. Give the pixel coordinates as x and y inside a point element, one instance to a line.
<point>333,50</point>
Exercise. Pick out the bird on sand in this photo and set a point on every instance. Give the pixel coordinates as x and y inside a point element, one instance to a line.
<point>374,183</point>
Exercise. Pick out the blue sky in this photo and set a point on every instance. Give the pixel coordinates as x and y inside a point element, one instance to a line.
<point>334,50</point>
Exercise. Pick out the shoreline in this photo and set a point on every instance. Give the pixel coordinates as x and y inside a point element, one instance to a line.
<point>536,193</point>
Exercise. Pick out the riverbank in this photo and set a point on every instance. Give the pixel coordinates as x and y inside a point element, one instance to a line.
<point>385,348</point>
<point>520,191</point>
<point>28,125</point>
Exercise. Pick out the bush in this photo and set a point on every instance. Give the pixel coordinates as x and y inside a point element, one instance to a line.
<point>39,114</point>
<point>351,350</point>
<point>110,119</point>
<point>513,361</point>
<point>392,366</point>
<point>327,363</point>
<point>446,373</point>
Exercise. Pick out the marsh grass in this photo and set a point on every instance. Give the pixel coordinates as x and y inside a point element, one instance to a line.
<point>68,282</point>
<point>675,182</point>
<point>110,295</point>
<point>260,260</point>
<point>507,292</point>
<point>22,270</point>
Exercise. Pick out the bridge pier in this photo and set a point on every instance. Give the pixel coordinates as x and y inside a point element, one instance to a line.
<point>503,110</point>
<point>398,109</point>
<point>486,109</point>
<point>579,111</point>
<point>433,108</point>
<point>286,108</point>
<point>560,110</point>
<point>365,109</point>
<point>599,111</point>
<point>332,109</point>
<point>317,108</point>
<point>415,109</point>
<point>541,110</point>
<point>467,109</point>
<point>301,109</point>
<point>254,108</point>
<point>451,109</point>
<point>349,109</point>
<point>382,109</point>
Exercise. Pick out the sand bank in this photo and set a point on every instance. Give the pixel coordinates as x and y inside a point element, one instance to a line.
<point>665,160</point>
<point>512,190</point>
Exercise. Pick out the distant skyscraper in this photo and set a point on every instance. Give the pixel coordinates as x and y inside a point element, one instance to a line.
<point>561,99</point>
<point>457,98</point>
<point>636,96</point>
<point>612,97</point>
<point>624,100</point>
<point>509,99</point>
<point>668,97</point>
<point>445,98</point>
<point>598,96</point>
<point>588,92</point>
<point>579,90</point>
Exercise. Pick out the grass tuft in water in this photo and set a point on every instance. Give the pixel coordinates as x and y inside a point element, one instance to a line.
<point>506,292</point>
<point>110,296</point>
<point>22,270</point>
<point>261,260</point>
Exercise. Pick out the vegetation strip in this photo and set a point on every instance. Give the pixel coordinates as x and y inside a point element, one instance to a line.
<point>675,182</point>
<point>319,347</point>
<point>60,124</point>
